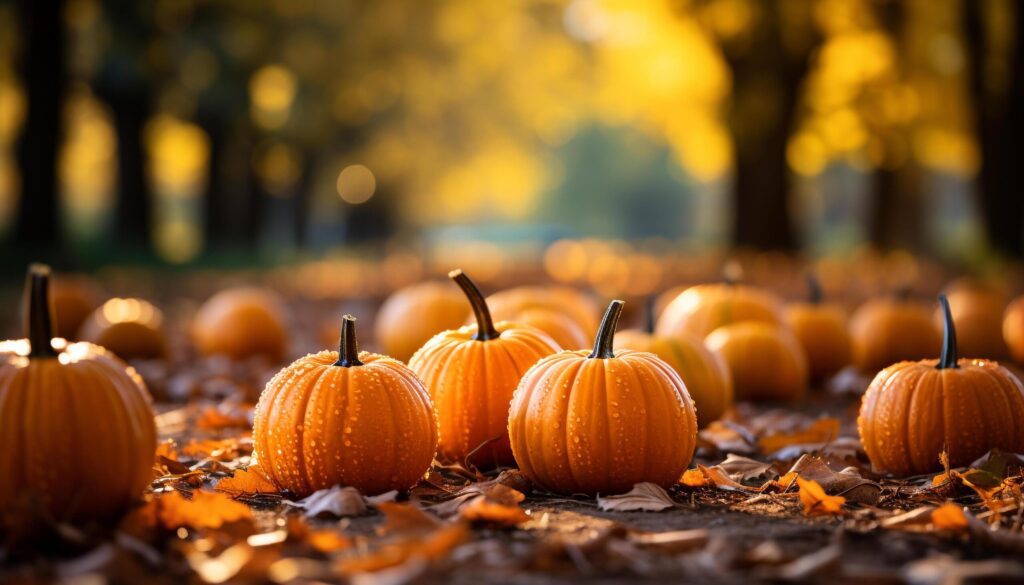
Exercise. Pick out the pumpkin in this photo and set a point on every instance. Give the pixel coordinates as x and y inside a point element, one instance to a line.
<point>601,421</point>
<point>913,411</point>
<point>77,435</point>
<point>765,361</point>
<point>241,323</point>
<point>701,309</point>
<point>892,329</point>
<point>131,328</point>
<point>345,418</point>
<point>1013,329</point>
<point>509,304</point>
<point>73,297</point>
<point>412,315</point>
<point>472,373</point>
<point>978,315</point>
<point>820,328</point>
<point>705,374</point>
<point>559,326</point>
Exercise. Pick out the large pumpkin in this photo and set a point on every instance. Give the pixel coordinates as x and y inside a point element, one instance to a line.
<point>241,323</point>
<point>77,436</point>
<point>913,411</point>
<point>892,329</point>
<point>821,330</point>
<point>131,328</point>
<point>412,315</point>
<point>507,305</point>
<point>345,417</point>
<point>701,309</point>
<point>601,421</point>
<point>472,373</point>
<point>765,361</point>
<point>977,312</point>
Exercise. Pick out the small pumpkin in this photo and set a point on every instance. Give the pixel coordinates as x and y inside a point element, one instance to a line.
<point>472,373</point>
<point>241,323</point>
<point>1013,329</point>
<point>77,435</point>
<point>508,304</point>
<point>821,330</point>
<point>913,411</point>
<point>978,315</point>
<point>765,361</point>
<point>345,418</point>
<point>701,309</point>
<point>414,314</point>
<point>705,374</point>
<point>601,421</point>
<point>563,329</point>
<point>892,329</point>
<point>131,328</point>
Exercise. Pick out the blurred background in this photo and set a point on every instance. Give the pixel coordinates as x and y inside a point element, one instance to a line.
<point>393,135</point>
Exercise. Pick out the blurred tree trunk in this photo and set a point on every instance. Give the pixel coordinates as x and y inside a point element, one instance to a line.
<point>43,69</point>
<point>217,228</point>
<point>768,70</point>
<point>999,120</point>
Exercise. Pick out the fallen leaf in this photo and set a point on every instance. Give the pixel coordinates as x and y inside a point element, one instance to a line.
<point>328,541</point>
<point>820,431</point>
<point>820,563</point>
<point>846,483</point>
<point>816,502</point>
<point>693,478</point>
<point>644,496</point>
<point>205,510</point>
<point>216,418</point>
<point>403,518</point>
<point>742,468</point>
<point>675,541</point>
<point>498,505</point>
<point>950,517</point>
<point>721,479</point>
<point>219,449</point>
<point>246,482</point>
<point>335,501</point>
<point>168,449</point>
<point>435,544</point>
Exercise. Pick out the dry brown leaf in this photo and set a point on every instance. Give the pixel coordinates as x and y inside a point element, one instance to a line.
<point>722,481</point>
<point>816,502</point>
<point>435,544</point>
<point>402,518</point>
<point>846,483</point>
<point>820,431</point>
<point>742,468</point>
<point>498,505</point>
<point>205,510</point>
<point>246,482</point>
<point>675,541</point>
<point>335,501</point>
<point>644,496</point>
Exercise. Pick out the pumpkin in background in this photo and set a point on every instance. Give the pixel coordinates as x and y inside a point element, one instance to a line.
<point>559,326</point>
<point>414,314</point>
<point>77,437</point>
<point>241,323</point>
<point>471,373</point>
<point>892,329</point>
<point>508,304</point>
<point>705,374</point>
<point>131,328</point>
<point>701,309</point>
<point>912,411</point>
<point>601,421</point>
<point>977,312</point>
<point>345,418</point>
<point>1013,329</point>
<point>73,298</point>
<point>765,361</point>
<point>821,330</point>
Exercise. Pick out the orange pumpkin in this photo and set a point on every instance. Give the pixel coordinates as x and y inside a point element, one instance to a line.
<point>345,418</point>
<point>765,361</point>
<point>131,328</point>
<point>566,332</point>
<point>602,421</point>
<point>471,373</point>
<point>913,411</point>
<point>1013,329</point>
<point>73,298</point>
<point>412,315</point>
<point>701,309</point>
<point>241,323</point>
<point>77,435</point>
<point>705,374</point>
<point>890,329</point>
<point>978,315</point>
<point>509,304</point>
<point>821,330</point>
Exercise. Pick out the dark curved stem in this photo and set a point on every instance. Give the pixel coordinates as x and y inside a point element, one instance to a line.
<point>348,350</point>
<point>606,332</point>
<point>39,312</point>
<point>650,308</point>
<point>484,324</point>
<point>814,294</point>
<point>948,358</point>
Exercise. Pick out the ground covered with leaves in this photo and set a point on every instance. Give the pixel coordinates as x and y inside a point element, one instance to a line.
<point>774,494</point>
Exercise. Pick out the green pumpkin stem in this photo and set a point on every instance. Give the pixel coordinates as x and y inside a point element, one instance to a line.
<point>348,347</point>
<point>814,292</point>
<point>948,358</point>
<point>484,324</point>
<point>603,344</point>
<point>39,312</point>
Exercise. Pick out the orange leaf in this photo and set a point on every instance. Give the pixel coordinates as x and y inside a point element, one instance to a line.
<point>693,478</point>
<point>949,516</point>
<point>816,502</point>
<point>204,510</point>
<point>498,505</point>
<point>822,430</point>
<point>222,449</point>
<point>328,541</point>
<point>434,545</point>
<point>246,482</point>
<point>213,418</point>
<point>167,449</point>
<point>403,518</point>
<point>717,476</point>
<point>786,481</point>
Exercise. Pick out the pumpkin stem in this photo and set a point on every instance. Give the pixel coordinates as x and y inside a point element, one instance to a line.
<point>606,332</point>
<point>732,272</point>
<point>649,316</point>
<point>39,312</point>
<point>948,358</point>
<point>348,348</point>
<point>814,293</point>
<point>484,324</point>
